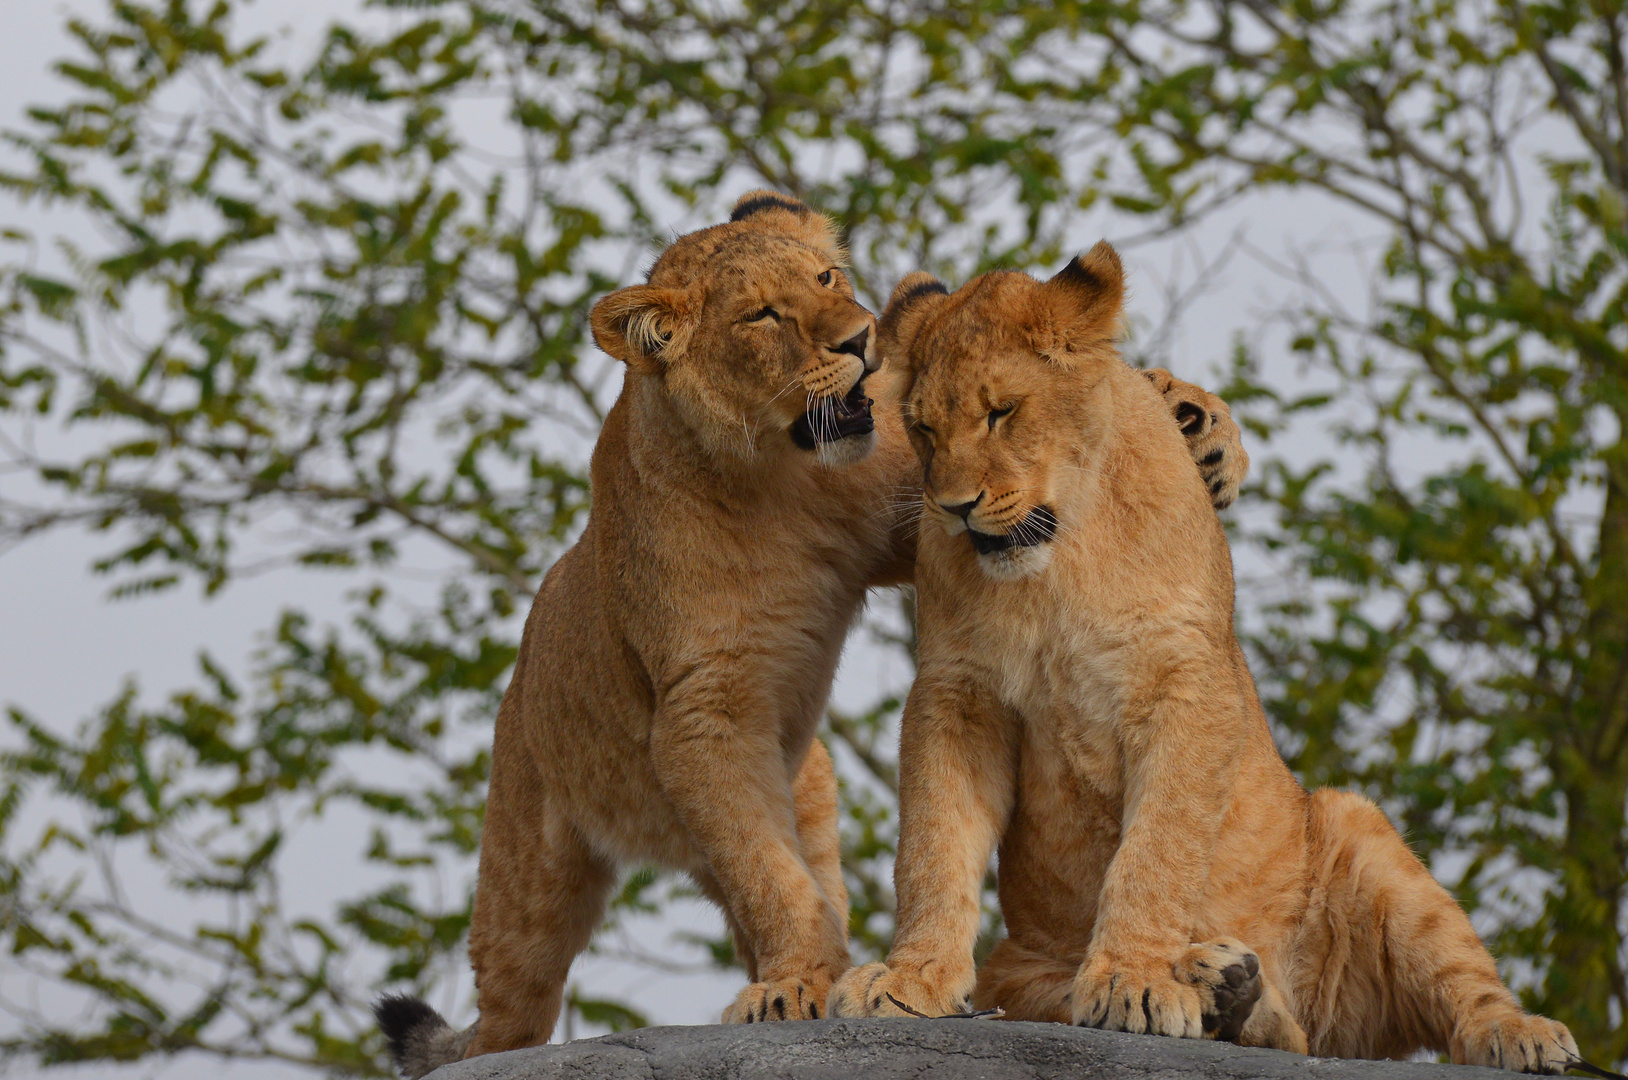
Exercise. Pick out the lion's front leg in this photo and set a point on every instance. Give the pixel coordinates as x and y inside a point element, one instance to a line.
<point>956,781</point>
<point>1142,972</point>
<point>726,778</point>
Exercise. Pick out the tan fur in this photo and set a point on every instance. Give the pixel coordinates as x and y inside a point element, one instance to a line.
<point>678,657</point>
<point>1083,702</point>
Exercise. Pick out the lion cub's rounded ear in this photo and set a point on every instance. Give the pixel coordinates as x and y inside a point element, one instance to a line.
<point>913,300</point>
<point>1086,298</point>
<point>643,326</point>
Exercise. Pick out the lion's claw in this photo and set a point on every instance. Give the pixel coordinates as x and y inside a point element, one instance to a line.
<point>1519,1042</point>
<point>877,990</point>
<point>784,999</point>
<point>1208,992</point>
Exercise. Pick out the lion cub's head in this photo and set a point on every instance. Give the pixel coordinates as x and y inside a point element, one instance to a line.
<point>753,332</point>
<point>999,376</point>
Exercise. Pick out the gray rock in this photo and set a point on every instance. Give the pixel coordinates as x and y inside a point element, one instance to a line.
<point>935,1049</point>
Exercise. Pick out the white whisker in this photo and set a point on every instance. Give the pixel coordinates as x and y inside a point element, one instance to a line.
<point>795,379</point>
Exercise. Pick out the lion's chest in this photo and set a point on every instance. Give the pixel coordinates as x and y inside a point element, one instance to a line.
<point>799,582</point>
<point>1071,697</point>
<point>1067,669</point>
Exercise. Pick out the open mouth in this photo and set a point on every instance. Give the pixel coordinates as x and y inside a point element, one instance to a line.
<point>1035,529</point>
<point>832,419</point>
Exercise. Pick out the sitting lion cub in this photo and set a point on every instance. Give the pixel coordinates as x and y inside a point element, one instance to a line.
<point>1082,700</point>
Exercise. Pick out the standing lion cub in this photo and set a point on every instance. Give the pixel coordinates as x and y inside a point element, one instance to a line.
<point>1082,700</point>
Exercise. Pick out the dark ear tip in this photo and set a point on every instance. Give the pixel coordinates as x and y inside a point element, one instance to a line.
<point>914,291</point>
<point>1095,268</point>
<point>756,202</point>
<point>907,294</point>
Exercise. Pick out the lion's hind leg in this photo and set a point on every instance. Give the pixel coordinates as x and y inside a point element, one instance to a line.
<point>814,796</point>
<point>540,896</point>
<point>1033,985</point>
<point>1403,929</point>
<point>1026,983</point>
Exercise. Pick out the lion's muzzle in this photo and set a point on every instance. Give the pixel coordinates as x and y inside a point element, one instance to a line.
<point>1038,527</point>
<point>832,419</point>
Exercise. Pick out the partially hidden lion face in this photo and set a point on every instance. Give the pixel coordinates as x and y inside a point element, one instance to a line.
<point>753,332</point>
<point>999,376</point>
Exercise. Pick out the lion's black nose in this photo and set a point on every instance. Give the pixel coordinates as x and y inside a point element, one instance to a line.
<point>961,510</point>
<point>855,346</point>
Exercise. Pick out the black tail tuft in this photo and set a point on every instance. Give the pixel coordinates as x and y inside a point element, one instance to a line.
<point>399,1017</point>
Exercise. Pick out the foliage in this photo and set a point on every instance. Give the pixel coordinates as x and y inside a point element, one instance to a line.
<point>332,320</point>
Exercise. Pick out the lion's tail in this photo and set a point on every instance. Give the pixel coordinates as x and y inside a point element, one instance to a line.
<point>420,1040</point>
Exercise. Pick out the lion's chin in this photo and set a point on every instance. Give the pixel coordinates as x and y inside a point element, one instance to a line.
<point>848,451</point>
<point>1015,563</point>
<point>1021,551</point>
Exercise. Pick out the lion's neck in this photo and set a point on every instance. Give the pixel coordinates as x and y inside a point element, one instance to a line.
<point>668,450</point>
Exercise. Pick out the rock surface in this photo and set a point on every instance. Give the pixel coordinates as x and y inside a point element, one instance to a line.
<point>933,1049</point>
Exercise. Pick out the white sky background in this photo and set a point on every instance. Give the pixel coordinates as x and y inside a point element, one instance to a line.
<point>64,650</point>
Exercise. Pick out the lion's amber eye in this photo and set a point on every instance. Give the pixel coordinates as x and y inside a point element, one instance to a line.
<point>828,277</point>
<point>765,313</point>
<point>996,414</point>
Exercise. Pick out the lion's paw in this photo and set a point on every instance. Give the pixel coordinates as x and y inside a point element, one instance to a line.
<point>1519,1042</point>
<point>1227,975</point>
<point>783,999</point>
<point>877,990</point>
<point>1143,998</point>
<point>1212,435</point>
